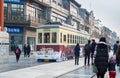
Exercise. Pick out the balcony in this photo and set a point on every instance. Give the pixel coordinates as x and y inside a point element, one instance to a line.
<point>25,20</point>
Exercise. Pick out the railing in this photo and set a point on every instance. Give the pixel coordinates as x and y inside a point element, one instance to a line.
<point>26,19</point>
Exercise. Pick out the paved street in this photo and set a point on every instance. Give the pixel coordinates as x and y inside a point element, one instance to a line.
<point>83,72</point>
<point>23,63</point>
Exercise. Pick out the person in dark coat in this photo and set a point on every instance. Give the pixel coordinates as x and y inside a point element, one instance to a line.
<point>115,47</point>
<point>111,67</point>
<point>28,50</point>
<point>25,50</point>
<point>77,54</point>
<point>87,49</point>
<point>101,58</point>
<point>92,49</point>
<point>17,53</point>
<point>118,56</point>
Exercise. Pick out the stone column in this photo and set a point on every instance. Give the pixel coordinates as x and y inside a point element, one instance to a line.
<point>4,47</point>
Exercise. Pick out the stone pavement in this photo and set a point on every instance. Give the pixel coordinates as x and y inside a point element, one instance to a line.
<point>83,72</point>
<point>50,70</point>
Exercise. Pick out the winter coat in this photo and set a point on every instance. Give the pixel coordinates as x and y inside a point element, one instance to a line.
<point>28,48</point>
<point>115,48</point>
<point>118,56</point>
<point>87,49</point>
<point>93,47</point>
<point>77,51</point>
<point>101,59</point>
<point>111,66</point>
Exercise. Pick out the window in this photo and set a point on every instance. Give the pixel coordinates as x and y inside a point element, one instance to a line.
<point>54,1</point>
<point>68,38</point>
<point>17,11</point>
<point>73,39</point>
<point>61,37</point>
<point>39,37</point>
<point>64,37</point>
<point>54,37</point>
<point>46,37</point>
<point>5,10</point>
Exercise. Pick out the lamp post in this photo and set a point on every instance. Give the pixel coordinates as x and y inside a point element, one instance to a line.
<point>1,15</point>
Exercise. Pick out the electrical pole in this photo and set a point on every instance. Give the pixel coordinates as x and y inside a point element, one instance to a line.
<point>1,15</point>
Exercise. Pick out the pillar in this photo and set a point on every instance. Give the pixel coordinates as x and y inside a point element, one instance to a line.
<point>2,15</point>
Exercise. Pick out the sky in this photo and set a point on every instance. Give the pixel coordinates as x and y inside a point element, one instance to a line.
<point>108,11</point>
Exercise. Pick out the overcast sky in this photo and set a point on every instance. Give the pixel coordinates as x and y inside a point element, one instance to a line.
<point>108,11</point>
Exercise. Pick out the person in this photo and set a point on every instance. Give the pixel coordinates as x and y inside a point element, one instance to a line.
<point>111,67</point>
<point>17,53</point>
<point>28,50</point>
<point>87,49</point>
<point>115,47</point>
<point>77,54</point>
<point>25,50</point>
<point>118,57</point>
<point>101,58</point>
<point>92,49</point>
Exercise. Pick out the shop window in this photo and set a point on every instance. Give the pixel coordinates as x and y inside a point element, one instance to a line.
<point>54,37</point>
<point>47,38</point>
<point>39,37</point>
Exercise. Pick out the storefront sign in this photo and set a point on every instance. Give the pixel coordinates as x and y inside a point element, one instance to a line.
<point>14,1</point>
<point>14,30</point>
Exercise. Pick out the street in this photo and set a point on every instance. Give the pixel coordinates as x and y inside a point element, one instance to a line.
<point>23,63</point>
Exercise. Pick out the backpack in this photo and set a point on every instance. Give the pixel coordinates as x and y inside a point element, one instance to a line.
<point>17,51</point>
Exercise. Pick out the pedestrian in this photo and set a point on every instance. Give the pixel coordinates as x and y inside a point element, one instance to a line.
<point>111,68</point>
<point>28,50</point>
<point>118,57</point>
<point>115,47</point>
<point>87,49</point>
<point>101,57</point>
<point>92,49</point>
<point>17,53</point>
<point>25,50</point>
<point>77,54</point>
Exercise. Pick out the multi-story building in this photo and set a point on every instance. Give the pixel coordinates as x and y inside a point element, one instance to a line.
<point>22,17</point>
<point>106,32</point>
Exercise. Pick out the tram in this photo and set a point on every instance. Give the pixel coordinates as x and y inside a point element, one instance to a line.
<point>56,42</point>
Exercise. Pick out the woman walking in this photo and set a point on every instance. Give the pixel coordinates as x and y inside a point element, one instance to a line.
<point>17,53</point>
<point>101,58</point>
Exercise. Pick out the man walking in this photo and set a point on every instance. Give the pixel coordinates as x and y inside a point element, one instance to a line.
<point>77,54</point>
<point>28,50</point>
<point>115,47</point>
<point>92,49</point>
<point>87,49</point>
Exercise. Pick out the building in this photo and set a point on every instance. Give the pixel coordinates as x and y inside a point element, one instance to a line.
<point>22,17</point>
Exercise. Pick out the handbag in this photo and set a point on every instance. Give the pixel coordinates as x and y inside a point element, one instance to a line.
<point>95,70</point>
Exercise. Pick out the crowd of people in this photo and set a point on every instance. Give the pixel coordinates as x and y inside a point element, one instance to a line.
<point>99,53</point>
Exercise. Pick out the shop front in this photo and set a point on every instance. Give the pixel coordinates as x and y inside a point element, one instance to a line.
<point>15,37</point>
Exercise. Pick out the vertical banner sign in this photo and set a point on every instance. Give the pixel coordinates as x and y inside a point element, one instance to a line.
<point>1,15</point>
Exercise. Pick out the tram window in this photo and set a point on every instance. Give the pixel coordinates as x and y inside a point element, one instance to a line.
<point>46,37</point>
<point>54,37</point>
<point>68,38</point>
<point>61,37</point>
<point>73,39</point>
<point>64,37</point>
<point>39,37</point>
